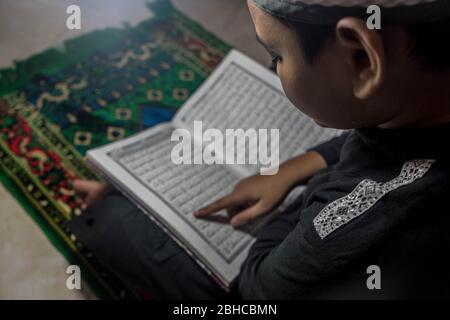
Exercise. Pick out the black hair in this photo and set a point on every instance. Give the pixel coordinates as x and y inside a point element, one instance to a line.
<point>430,44</point>
<point>313,38</point>
<point>430,41</point>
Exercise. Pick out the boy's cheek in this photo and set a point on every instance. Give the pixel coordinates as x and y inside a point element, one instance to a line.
<point>305,92</point>
<point>319,102</point>
<point>322,96</point>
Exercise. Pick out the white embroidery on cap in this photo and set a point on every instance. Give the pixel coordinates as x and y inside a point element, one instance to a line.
<point>362,3</point>
<point>364,196</point>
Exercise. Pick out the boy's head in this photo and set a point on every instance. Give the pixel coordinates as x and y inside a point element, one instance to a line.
<point>345,75</point>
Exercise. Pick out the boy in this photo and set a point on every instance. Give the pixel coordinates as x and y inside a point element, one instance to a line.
<point>376,196</point>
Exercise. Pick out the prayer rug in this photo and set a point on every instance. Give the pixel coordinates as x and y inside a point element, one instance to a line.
<point>94,89</point>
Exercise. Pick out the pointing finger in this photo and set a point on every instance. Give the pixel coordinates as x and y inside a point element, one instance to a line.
<point>223,203</point>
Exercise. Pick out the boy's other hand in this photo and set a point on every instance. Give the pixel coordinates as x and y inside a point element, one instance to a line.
<point>90,192</point>
<point>251,198</point>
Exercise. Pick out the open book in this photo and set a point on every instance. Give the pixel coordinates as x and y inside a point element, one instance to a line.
<point>239,94</point>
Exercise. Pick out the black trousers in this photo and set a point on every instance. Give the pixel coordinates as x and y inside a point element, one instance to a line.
<point>131,245</point>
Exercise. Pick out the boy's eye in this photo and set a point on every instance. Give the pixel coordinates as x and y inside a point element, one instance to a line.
<point>275,61</point>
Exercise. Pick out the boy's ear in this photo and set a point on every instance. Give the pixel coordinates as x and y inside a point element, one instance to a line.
<point>364,53</point>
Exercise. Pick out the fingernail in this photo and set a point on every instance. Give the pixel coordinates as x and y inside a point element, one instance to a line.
<point>235,222</point>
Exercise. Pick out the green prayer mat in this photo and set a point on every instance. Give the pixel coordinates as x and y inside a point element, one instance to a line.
<point>93,90</point>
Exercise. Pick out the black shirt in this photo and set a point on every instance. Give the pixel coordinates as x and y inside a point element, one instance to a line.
<point>381,202</point>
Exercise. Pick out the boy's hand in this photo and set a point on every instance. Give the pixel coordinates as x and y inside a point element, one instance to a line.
<point>90,192</point>
<point>251,198</point>
<point>258,195</point>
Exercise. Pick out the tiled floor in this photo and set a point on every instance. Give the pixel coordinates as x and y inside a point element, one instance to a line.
<point>30,268</point>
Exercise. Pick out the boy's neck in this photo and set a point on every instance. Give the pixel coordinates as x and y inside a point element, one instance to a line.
<point>425,103</point>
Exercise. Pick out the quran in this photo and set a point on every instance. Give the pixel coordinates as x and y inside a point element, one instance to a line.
<point>240,93</point>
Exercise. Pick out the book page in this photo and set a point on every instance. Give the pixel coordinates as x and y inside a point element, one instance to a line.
<point>243,94</point>
<point>142,167</point>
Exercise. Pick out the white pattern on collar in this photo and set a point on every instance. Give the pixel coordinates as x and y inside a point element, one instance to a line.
<point>366,194</point>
